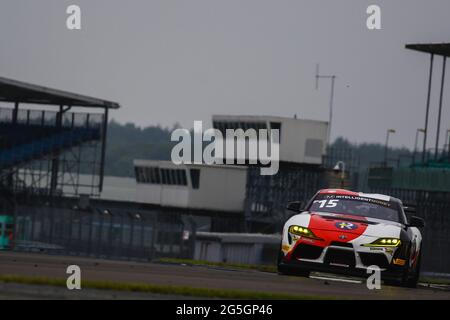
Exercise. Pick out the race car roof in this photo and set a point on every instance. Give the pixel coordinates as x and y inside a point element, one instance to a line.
<point>358,194</point>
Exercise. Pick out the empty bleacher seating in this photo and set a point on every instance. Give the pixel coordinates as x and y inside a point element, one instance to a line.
<point>23,142</point>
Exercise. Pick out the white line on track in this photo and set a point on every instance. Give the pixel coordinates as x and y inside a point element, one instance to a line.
<point>435,286</point>
<point>335,279</point>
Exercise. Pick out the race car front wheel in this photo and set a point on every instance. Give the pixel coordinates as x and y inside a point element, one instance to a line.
<point>287,270</point>
<point>410,277</point>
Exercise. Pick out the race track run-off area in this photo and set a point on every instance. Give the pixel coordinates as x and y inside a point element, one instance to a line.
<point>19,272</point>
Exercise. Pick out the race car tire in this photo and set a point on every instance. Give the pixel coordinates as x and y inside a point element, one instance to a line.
<point>284,271</point>
<point>410,277</point>
<point>302,273</point>
<point>288,271</point>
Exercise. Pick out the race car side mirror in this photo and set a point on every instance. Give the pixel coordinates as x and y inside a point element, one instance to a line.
<point>409,209</point>
<point>416,222</point>
<point>295,206</point>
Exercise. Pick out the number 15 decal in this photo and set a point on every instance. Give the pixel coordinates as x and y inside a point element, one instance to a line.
<point>327,203</point>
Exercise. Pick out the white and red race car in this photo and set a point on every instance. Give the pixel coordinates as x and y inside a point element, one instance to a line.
<point>342,231</point>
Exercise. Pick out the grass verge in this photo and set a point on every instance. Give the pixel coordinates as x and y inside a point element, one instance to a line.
<point>162,289</point>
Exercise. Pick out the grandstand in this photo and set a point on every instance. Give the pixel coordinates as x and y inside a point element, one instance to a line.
<point>52,159</point>
<point>48,137</point>
<point>45,145</point>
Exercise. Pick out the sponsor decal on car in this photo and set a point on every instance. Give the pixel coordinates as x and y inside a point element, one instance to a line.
<point>345,225</point>
<point>400,262</point>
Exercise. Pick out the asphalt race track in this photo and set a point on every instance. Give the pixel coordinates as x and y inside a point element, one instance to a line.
<point>30,264</point>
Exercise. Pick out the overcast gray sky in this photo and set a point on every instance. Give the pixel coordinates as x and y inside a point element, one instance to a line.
<point>170,61</point>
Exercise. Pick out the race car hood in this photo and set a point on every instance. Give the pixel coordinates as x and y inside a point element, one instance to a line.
<point>351,225</point>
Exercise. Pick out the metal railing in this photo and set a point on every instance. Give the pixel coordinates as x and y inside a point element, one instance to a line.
<point>434,208</point>
<point>101,232</point>
<point>50,118</point>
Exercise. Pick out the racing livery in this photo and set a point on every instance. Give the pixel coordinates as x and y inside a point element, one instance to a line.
<point>346,232</point>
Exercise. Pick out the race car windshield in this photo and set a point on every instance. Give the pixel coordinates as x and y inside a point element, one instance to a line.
<point>356,206</point>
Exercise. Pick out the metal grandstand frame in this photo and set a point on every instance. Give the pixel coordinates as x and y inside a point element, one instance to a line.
<point>57,172</point>
<point>439,49</point>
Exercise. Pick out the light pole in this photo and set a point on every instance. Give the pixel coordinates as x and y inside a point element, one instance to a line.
<point>340,166</point>
<point>447,143</point>
<point>333,78</point>
<point>424,150</point>
<point>389,131</point>
<point>436,152</point>
<point>415,143</point>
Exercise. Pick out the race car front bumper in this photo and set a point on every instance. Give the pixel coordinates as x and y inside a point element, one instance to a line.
<point>345,259</point>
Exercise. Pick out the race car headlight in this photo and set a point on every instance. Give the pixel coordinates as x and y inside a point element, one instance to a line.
<point>302,231</point>
<point>384,242</point>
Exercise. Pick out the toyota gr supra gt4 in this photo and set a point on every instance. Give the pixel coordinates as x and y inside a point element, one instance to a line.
<point>341,231</point>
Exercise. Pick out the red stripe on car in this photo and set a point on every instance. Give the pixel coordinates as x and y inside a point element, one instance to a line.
<point>337,228</point>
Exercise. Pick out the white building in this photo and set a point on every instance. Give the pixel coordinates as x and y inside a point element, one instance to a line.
<point>205,187</point>
<point>162,183</point>
<point>301,141</point>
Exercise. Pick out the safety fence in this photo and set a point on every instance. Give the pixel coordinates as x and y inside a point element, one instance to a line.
<point>267,196</point>
<point>434,208</point>
<point>99,232</point>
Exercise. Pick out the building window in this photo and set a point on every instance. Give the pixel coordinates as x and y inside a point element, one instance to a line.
<point>155,175</point>
<point>139,172</point>
<point>170,180</point>
<point>136,174</point>
<point>163,176</point>
<point>167,174</point>
<point>174,175</point>
<point>276,125</point>
<point>183,180</point>
<point>148,175</point>
<point>195,178</point>
<point>223,126</point>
